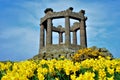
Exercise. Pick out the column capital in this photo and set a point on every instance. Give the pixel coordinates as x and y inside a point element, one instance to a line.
<point>48,11</point>
<point>84,18</point>
<point>50,18</point>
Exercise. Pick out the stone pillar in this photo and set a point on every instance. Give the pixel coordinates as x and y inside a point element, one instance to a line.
<point>74,38</point>
<point>49,32</point>
<point>60,38</point>
<point>42,44</point>
<point>67,31</point>
<point>83,40</point>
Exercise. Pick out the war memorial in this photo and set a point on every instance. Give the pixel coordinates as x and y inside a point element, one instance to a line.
<point>47,49</point>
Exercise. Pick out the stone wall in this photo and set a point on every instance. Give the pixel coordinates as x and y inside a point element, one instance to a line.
<point>55,51</point>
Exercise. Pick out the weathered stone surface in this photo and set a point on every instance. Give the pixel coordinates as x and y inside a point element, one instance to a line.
<point>42,36</point>
<point>60,37</point>
<point>83,37</point>
<point>67,31</point>
<point>74,38</point>
<point>55,51</point>
<point>62,14</point>
<point>49,32</point>
<point>105,52</point>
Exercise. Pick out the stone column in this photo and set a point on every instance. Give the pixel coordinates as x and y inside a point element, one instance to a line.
<point>60,37</point>
<point>42,44</point>
<point>49,32</point>
<point>74,38</point>
<point>83,40</point>
<point>67,31</point>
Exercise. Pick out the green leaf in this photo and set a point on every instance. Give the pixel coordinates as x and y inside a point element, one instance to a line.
<point>96,75</point>
<point>116,76</point>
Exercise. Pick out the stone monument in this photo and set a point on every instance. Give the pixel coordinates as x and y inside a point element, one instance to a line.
<point>49,50</point>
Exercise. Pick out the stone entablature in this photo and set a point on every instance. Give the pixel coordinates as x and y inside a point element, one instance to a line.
<point>62,14</point>
<point>46,24</point>
<point>75,27</point>
<point>58,29</point>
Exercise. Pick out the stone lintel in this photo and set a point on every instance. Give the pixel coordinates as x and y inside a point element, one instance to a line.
<point>62,14</point>
<point>75,27</point>
<point>61,29</point>
<point>57,29</point>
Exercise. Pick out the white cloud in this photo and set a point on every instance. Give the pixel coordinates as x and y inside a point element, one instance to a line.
<point>22,41</point>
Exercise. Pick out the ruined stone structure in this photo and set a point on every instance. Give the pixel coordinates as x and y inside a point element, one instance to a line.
<point>46,29</point>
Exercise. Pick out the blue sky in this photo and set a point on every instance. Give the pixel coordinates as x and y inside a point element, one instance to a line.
<point>20,19</point>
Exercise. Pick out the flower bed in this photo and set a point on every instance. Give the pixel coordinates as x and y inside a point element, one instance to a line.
<point>62,69</point>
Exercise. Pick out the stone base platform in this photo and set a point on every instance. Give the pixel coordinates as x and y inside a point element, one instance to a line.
<point>55,51</point>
